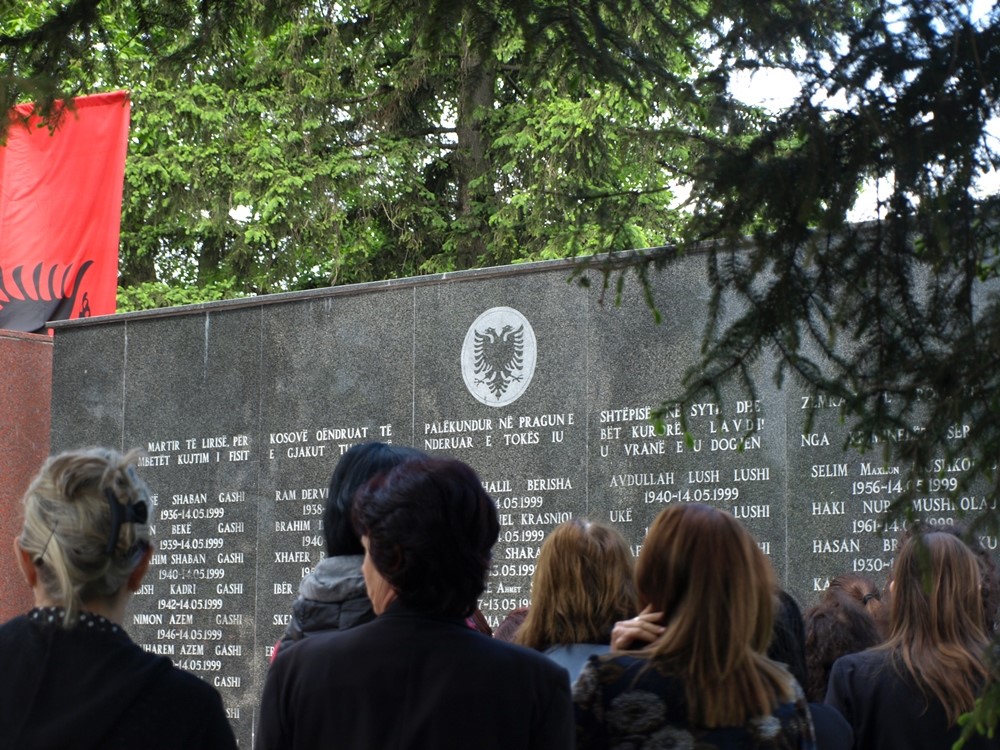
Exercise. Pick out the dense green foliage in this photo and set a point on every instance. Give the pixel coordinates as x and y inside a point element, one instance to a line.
<point>289,145</point>
<point>386,138</point>
<point>898,319</point>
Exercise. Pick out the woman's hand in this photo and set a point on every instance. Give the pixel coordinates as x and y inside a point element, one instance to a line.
<point>640,630</point>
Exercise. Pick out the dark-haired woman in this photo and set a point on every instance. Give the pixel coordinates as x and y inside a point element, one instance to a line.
<point>332,596</point>
<point>417,676</point>
<point>909,692</point>
<point>705,682</point>
<point>72,678</point>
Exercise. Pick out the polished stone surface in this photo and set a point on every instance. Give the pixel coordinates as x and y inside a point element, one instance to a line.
<point>545,386</point>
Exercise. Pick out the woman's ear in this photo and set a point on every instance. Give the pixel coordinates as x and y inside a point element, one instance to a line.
<point>139,571</point>
<point>26,564</point>
<point>398,559</point>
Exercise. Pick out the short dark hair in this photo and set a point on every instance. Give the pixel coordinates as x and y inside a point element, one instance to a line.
<point>431,528</point>
<point>356,466</point>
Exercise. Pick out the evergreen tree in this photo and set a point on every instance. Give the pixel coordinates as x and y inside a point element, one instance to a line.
<point>289,145</point>
<point>386,138</point>
<point>898,318</point>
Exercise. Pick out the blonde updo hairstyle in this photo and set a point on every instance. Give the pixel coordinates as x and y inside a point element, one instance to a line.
<point>68,526</point>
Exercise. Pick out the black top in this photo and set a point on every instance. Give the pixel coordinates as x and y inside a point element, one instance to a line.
<point>624,701</point>
<point>831,728</point>
<point>413,680</point>
<point>91,688</point>
<point>887,710</point>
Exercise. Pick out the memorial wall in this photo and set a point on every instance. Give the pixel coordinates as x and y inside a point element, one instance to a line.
<point>242,409</point>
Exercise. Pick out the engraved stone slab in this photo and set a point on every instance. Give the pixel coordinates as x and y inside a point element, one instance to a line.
<point>544,387</point>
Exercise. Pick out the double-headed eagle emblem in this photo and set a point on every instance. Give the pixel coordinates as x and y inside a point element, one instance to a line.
<point>498,357</point>
<point>499,353</point>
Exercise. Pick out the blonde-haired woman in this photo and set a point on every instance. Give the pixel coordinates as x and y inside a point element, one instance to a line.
<point>72,676</point>
<point>910,691</point>
<point>583,584</point>
<point>705,681</point>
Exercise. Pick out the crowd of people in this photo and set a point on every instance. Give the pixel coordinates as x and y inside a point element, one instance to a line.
<point>691,645</point>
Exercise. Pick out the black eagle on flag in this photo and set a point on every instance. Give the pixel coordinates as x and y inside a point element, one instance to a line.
<point>498,357</point>
<point>28,305</point>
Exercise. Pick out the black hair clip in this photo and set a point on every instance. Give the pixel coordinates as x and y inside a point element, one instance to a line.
<point>131,513</point>
<point>41,555</point>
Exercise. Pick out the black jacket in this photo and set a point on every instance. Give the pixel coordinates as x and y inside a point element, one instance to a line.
<point>92,688</point>
<point>413,680</point>
<point>887,710</point>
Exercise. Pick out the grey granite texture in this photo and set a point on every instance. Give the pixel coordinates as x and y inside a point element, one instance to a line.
<point>545,387</point>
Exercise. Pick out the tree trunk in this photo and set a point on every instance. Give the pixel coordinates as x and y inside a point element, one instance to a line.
<point>477,79</point>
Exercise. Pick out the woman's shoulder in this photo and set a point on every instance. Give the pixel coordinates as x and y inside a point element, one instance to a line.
<point>867,664</point>
<point>182,707</point>
<point>14,628</point>
<point>620,672</point>
<point>573,656</point>
<point>866,679</point>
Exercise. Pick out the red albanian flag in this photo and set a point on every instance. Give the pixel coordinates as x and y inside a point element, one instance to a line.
<point>60,212</point>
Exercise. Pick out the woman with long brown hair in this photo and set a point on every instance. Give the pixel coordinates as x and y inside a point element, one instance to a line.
<point>583,585</point>
<point>705,681</point>
<point>910,691</point>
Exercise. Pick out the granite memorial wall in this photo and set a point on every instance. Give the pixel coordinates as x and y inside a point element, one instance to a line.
<point>242,409</point>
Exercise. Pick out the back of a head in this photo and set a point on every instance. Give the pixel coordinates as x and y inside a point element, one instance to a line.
<point>936,591</point>
<point>716,590</point>
<point>583,584</point>
<point>865,592</point>
<point>431,529</point>
<point>859,587</point>
<point>837,626</point>
<point>86,527</point>
<point>988,571</point>
<point>359,464</point>
<point>704,571</point>
<point>936,618</point>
